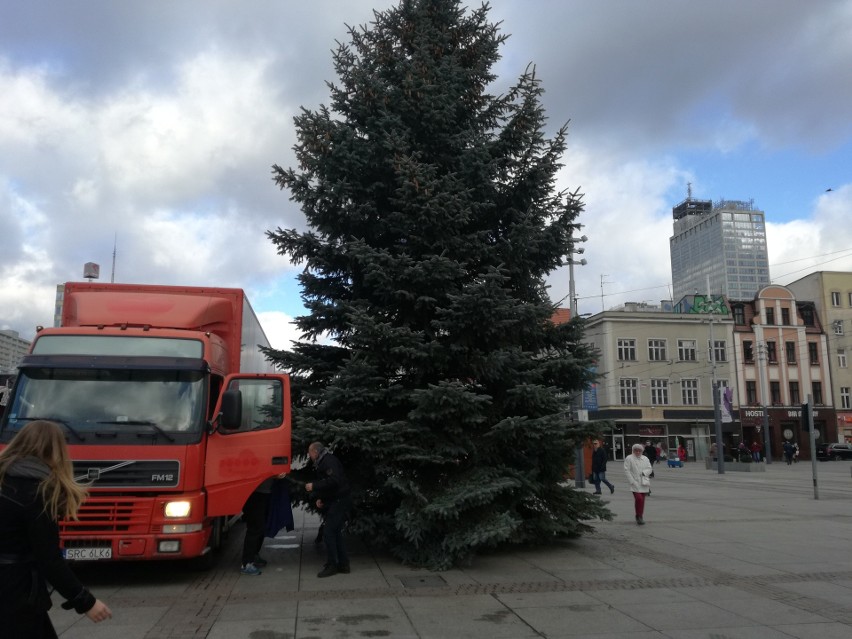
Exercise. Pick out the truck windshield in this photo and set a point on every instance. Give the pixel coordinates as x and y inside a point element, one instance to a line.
<point>106,400</point>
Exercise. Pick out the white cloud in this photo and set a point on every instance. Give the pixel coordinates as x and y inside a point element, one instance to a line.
<point>158,128</point>
<point>822,242</point>
<point>627,220</point>
<point>279,329</point>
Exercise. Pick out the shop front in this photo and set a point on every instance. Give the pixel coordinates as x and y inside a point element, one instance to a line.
<point>844,427</point>
<point>785,424</point>
<point>666,430</point>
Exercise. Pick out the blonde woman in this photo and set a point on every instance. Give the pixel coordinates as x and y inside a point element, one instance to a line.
<point>37,489</point>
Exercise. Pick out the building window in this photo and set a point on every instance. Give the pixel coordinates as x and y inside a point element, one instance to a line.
<point>659,392</point>
<point>689,391</point>
<point>751,393</point>
<point>686,350</point>
<point>739,313</point>
<point>813,355</point>
<point>785,316</point>
<point>775,392</point>
<point>629,388</point>
<point>770,316</point>
<point>794,393</point>
<point>718,350</point>
<point>791,352</point>
<point>850,300</point>
<point>627,350</point>
<point>837,325</point>
<point>748,352</point>
<point>807,315</point>
<point>835,298</point>
<point>817,389</point>
<point>771,353</point>
<point>845,401</point>
<point>841,358</point>
<point>657,350</point>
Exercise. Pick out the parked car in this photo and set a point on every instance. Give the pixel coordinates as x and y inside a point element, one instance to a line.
<point>826,452</point>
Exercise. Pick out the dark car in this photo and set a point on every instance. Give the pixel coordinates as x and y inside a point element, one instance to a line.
<point>827,452</point>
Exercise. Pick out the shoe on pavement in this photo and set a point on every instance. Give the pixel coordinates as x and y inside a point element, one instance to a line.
<point>250,569</point>
<point>597,492</point>
<point>640,521</point>
<point>327,571</point>
<point>611,489</point>
<point>259,561</point>
<point>343,569</point>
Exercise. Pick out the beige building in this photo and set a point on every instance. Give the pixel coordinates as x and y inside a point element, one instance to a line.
<point>781,355</point>
<point>657,365</point>
<point>831,292</point>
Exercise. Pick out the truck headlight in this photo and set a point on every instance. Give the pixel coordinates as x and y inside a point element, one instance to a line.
<point>177,509</point>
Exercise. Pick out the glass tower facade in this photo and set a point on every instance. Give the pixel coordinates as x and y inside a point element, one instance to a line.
<point>724,241</point>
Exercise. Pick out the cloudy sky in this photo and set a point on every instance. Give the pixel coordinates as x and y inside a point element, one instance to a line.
<point>152,126</point>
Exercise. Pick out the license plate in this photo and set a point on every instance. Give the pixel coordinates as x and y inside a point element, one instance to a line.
<point>88,554</point>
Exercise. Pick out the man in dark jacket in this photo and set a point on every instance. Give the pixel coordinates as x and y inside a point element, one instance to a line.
<point>599,459</point>
<point>330,493</point>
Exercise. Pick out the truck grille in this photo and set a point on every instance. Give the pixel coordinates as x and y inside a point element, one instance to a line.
<point>128,473</point>
<point>105,515</point>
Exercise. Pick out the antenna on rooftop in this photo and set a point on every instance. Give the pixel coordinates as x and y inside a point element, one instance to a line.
<point>114,244</point>
<point>689,190</point>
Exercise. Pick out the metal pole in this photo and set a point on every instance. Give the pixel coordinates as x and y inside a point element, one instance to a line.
<point>810,417</point>
<point>579,459</point>
<point>764,392</point>
<point>717,406</point>
<point>571,292</point>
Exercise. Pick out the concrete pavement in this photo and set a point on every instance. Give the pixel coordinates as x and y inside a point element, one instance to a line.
<point>733,556</point>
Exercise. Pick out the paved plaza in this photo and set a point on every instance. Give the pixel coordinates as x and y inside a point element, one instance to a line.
<point>736,556</point>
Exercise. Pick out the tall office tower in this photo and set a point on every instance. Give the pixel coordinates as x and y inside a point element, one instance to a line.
<point>725,241</point>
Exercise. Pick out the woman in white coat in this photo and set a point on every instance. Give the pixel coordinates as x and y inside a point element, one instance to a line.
<point>638,470</point>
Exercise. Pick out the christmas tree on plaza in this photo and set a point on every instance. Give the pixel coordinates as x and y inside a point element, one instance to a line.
<point>430,363</point>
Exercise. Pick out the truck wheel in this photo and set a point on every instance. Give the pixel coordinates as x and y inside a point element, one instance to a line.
<point>206,561</point>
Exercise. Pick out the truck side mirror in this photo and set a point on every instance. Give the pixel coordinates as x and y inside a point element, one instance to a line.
<point>231,415</point>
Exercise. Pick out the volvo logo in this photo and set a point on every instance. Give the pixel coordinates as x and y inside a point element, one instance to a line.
<point>93,474</point>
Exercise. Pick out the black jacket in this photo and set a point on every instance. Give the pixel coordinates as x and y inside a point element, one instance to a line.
<point>30,556</point>
<point>599,460</point>
<point>331,482</point>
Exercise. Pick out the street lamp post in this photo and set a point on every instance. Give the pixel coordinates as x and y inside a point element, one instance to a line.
<point>579,460</point>
<point>571,262</point>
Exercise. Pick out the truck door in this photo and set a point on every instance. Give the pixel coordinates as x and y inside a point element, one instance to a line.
<point>253,449</point>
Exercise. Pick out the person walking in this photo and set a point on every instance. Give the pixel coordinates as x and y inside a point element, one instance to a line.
<point>638,471</point>
<point>255,512</point>
<point>650,452</point>
<point>599,459</point>
<point>788,451</point>
<point>37,489</point>
<point>330,494</point>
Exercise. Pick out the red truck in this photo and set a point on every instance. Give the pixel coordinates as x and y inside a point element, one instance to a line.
<point>172,414</point>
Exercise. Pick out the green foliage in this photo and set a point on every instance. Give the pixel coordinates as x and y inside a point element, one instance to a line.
<point>432,222</point>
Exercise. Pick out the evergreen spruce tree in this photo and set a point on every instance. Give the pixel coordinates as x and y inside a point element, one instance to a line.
<point>433,221</point>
